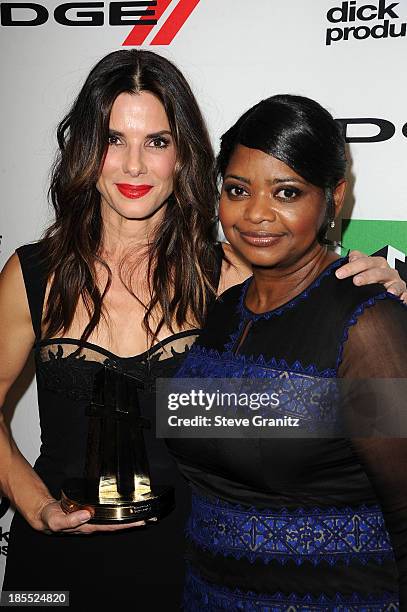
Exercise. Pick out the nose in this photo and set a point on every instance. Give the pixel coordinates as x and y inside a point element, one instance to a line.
<point>133,161</point>
<point>259,208</point>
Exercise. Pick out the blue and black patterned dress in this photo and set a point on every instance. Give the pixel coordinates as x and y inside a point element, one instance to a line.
<point>309,524</point>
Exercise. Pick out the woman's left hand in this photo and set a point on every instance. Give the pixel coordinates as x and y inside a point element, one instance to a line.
<point>367,270</point>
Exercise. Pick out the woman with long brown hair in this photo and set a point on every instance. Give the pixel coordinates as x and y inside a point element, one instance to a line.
<point>124,276</point>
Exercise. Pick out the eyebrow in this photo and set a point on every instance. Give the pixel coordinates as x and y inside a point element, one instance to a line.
<point>285,179</point>
<point>275,181</point>
<point>238,178</point>
<point>153,135</point>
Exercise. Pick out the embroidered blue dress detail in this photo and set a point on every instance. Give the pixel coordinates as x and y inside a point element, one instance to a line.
<point>296,524</point>
<point>315,535</point>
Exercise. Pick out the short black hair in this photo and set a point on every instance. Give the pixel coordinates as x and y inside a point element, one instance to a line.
<point>299,132</point>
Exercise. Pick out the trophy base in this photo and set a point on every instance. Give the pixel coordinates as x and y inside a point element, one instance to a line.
<point>156,504</point>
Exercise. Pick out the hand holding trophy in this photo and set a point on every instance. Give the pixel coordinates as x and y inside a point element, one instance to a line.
<point>116,486</point>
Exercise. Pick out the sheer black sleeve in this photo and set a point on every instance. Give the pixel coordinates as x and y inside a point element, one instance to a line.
<point>376,348</point>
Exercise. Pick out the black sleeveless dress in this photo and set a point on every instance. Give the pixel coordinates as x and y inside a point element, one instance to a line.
<point>142,567</point>
<point>307,524</point>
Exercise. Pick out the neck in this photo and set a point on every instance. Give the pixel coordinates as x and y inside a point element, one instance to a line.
<point>121,235</point>
<point>272,287</point>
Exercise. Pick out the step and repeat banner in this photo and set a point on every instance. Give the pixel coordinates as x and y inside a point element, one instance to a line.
<point>349,56</point>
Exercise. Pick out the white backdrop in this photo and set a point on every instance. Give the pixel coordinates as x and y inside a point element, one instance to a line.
<point>234,53</point>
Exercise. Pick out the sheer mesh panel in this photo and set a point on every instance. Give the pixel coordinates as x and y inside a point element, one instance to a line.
<point>67,348</point>
<point>377,348</point>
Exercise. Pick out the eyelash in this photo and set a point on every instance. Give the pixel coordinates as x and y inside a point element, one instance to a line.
<point>113,137</point>
<point>230,188</point>
<point>294,192</point>
<point>165,141</point>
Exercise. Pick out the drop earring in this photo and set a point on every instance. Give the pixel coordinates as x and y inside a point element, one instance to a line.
<point>332,224</point>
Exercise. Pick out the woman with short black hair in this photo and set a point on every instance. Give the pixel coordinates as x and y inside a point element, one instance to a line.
<point>313,518</point>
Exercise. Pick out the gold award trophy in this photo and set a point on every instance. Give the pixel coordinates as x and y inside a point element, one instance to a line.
<point>116,486</point>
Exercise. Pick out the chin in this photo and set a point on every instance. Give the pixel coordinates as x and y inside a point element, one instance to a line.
<point>137,211</point>
<point>257,263</point>
<point>141,215</point>
<point>264,260</point>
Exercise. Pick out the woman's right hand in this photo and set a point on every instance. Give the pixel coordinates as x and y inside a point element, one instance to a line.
<point>55,520</point>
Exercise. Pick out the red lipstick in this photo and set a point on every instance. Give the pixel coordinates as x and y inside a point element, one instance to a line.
<point>133,191</point>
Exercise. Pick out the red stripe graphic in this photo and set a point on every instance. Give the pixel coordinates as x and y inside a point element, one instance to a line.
<point>174,22</point>
<point>140,32</point>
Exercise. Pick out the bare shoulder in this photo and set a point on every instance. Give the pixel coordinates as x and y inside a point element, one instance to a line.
<point>11,276</point>
<point>16,331</point>
<point>13,298</point>
<point>234,271</point>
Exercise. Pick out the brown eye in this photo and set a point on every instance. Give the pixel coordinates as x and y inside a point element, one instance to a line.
<point>288,193</point>
<point>236,191</point>
<point>113,140</point>
<point>159,143</point>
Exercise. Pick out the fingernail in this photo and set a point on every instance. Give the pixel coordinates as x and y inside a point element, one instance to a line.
<point>83,517</point>
<point>357,280</point>
<point>339,273</point>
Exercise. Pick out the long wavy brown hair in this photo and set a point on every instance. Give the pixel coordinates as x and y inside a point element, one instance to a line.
<point>183,259</point>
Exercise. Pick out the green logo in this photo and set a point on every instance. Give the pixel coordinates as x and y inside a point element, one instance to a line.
<point>371,236</point>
